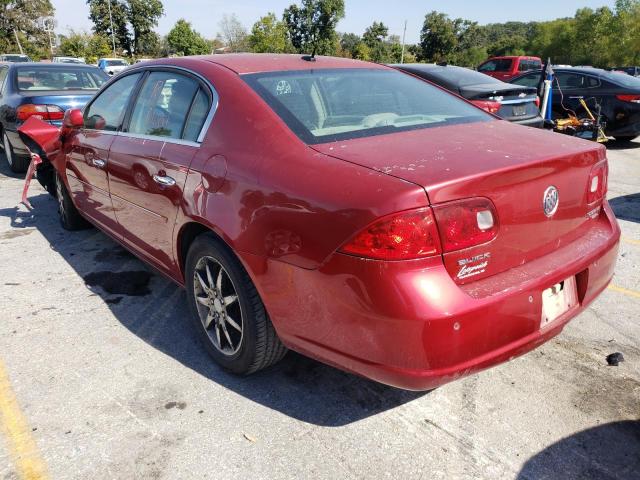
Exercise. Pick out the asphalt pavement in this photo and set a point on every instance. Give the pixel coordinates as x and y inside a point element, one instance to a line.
<point>101,377</point>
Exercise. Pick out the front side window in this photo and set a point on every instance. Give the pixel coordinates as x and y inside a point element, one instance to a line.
<point>41,79</point>
<point>330,105</point>
<point>107,110</point>
<point>164,107</point>
<point>497,65</point>
<point>570,81</point>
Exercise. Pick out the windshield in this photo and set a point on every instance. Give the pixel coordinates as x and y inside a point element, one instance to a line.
<point>329,105</point>
<point>116,63</point>
<point>622,79</point>
<point>497,65</point>
<point>42,79</point>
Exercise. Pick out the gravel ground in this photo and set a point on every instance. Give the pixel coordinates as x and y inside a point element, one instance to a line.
<point>116,385</point>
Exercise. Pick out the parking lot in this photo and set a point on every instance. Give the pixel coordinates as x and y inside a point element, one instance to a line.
<point>102,377</point>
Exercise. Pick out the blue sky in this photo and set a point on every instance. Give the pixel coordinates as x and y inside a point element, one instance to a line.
<point>205,14</point>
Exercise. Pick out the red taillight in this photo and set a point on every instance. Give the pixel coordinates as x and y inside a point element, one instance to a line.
<point>629,98</point>
<point>401,236</point>
<point>45,112</point>
<point>466,223</point>
<point>490,106</point>
<point>597,185</point>
<point>537,101</point>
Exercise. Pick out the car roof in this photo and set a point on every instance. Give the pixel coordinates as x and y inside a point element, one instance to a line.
<point>49,65</point>
<point>243,63</point>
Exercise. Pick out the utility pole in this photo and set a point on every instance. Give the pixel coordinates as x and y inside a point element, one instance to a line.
<point>404,34</point>
<point>15,32</point>
<point>113,38</point>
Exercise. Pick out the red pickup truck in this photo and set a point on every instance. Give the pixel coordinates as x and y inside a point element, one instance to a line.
<point>506,68</point>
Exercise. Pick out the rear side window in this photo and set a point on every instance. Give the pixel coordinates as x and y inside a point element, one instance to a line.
<point>575,81</point>
<point>197,116</point>
<point>3,75</point>
<point>497,65</point>
<point>330,105</point>
<point>527,65</point>
<point>107,111</point>
<point>163,106</point>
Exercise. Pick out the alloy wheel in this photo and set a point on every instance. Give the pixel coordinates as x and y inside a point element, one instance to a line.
<point>7,148</point>
<point>218,305</point>
<point>60,197</point>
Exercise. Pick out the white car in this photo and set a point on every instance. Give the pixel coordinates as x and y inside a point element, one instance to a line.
<point>67,60</point>
<point>112,66</point>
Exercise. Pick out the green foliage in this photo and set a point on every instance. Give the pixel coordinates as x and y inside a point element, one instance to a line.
<point>269,35</point>
<point>233,34</point>
<point>23,18</point>
<point>184,40</point>
<point>456,41</point>
<point>603,37</point>
<point>85,45</point>
<point>375,38</point>
<point>312,26</point>
<point>133,21</point>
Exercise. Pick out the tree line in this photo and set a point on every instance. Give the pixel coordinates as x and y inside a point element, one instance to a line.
<point>604,37</point>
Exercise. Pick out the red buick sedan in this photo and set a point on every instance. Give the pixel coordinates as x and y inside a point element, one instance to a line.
<point>342,209</point>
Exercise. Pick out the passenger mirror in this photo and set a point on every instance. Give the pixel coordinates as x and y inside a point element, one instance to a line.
<point>73,118</point>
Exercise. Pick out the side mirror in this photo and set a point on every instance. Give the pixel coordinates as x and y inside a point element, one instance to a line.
<point>73,118</point>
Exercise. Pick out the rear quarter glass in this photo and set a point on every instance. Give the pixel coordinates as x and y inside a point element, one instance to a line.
<point>328,105</point>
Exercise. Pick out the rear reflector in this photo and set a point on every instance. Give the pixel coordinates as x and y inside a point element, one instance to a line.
<point>466,223</point>
<point>490,106</point>
<point>597,185</point>
<point>402,236</point>
<point>629,98</point>
<point>44,112</point>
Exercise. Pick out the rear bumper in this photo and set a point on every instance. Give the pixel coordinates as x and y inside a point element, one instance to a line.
<point>535,122</point>
<point>407,324</point>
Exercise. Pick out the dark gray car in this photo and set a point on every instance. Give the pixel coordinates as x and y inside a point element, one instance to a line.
<point>513,103</point>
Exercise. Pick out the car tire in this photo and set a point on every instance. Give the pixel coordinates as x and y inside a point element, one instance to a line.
<point>624,139</point>
<point>237,333</point>
<point>17,163</point>
<point>70,218</point>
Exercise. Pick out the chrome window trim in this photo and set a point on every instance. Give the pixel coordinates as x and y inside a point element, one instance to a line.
<point>213,108</point>
<point>176,141</point>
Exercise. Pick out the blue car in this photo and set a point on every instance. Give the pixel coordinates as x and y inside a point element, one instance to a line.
<point>45,90</point>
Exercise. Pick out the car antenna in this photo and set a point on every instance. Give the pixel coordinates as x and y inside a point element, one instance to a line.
<point>312,57</point>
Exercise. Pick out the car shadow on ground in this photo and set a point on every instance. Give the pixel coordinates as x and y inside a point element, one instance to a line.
<point>622,144</point>
<point>627,207</point>
<point>155,309</point>
<point>608,451</point>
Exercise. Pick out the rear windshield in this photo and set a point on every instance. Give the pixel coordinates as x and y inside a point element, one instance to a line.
<point>622,79</point>
<point>462,77</point>
<point>497,65</point>
<point>42,79</point>
<point>330,105</point>
<point>116,63</point>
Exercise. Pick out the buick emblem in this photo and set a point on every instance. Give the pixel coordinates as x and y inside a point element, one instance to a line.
<point>550,201</point>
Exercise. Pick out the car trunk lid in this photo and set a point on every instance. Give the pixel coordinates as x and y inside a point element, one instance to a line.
<point>511,166</point>
<point>65,99</point>
<point>516,102</point>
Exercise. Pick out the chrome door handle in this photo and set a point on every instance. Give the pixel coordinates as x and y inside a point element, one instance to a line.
<point>164,180</point>
<point>97,162</point>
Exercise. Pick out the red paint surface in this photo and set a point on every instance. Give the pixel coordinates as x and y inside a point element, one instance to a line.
<point>285,209</point>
